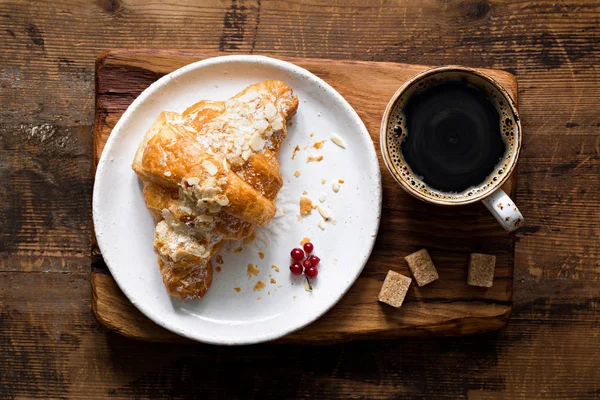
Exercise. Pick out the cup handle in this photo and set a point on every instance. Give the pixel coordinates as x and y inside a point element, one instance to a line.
<point>504,210</point>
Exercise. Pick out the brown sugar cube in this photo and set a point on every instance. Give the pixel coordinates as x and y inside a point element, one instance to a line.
<point>422,267</point>
<point>481,270</point>
<point>394,289</point>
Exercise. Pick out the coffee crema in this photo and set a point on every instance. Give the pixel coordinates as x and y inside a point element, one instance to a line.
<point>449,137</point>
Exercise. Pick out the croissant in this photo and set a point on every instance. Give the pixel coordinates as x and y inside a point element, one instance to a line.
<point>211,174</point>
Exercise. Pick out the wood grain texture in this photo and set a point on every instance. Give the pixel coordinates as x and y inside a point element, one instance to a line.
<point>446,307</point>
<point>52,347</point>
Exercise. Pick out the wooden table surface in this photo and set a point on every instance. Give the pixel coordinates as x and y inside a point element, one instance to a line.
<point>52,347</point>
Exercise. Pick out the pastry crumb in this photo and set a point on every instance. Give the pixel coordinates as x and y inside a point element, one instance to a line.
<point>305,192</point>
<point>259,298</point>
<point>312,134</point>
<point>296,173</point>
<point>323,181</point>
<point>259,286</point>
<point>312,158</point>
<point>218,268</point>
<point>299,218</point>
<point>296,150</point>
<point>341,181</point>
<point>261,255</point>
<point>220,259</point>
<point>238,250</point>
<point>319,144</point>
<point>275,267</point>
<point>273,281</point>
<point>249,239</point>
<point>237,289</point>
<point>252,270</point>
<point>304,241</point>
<point>305,205</point>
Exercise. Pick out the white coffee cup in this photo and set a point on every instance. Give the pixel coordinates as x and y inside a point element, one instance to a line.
<point>489,190</point>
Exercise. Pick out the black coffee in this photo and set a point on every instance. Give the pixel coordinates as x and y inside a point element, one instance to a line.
<point>453,139</point>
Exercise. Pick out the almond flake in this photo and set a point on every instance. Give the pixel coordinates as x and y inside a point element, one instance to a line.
<point>321,225</point>
<point>324,213</point>
<point>223,200</point>
<point>335,138</point>
<point>335,187</point>
<point>168,173</point>
<point>257,143</point>
<point>322,197</point>
<point>239,142</point>
<point>209,167</point>
<point>277,124</point>
<point>204,218</point>
<point>270,111</point>
<point>246,154</point>
<point>193,181</point>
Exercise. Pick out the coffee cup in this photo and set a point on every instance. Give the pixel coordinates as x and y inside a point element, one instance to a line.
<point>451,136</point>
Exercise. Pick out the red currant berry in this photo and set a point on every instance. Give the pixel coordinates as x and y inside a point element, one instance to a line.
<point>311,272</point>
<point>308,247</point>
<point>314,260</point>
<point>297,254</point>
<point>296,268</point>
<point>306,263</point>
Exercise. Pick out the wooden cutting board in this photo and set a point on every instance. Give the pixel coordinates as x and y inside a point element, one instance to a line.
<point>446,307</point>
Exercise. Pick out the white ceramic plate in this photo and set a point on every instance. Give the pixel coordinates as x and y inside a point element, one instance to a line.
<point>124,227</point>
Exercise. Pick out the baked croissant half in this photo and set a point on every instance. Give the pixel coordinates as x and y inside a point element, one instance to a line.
<point>211,174</point>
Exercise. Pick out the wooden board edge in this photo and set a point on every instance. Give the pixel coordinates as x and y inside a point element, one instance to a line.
<point>155,332</point>
<point>106,56</point>
<point>451,328</point>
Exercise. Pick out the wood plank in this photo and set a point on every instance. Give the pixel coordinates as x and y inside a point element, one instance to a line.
<point>447,307</point>
<point>53,348</point>
<point>47,54</point>
<point>45,187</point>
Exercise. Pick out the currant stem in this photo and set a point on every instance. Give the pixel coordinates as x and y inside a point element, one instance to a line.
<point>308,281</point>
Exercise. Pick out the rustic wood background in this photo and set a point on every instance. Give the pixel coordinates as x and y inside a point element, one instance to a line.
<point>52,347</point>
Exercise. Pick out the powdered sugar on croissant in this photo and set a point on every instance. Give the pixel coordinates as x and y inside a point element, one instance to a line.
<point>211,174</point>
